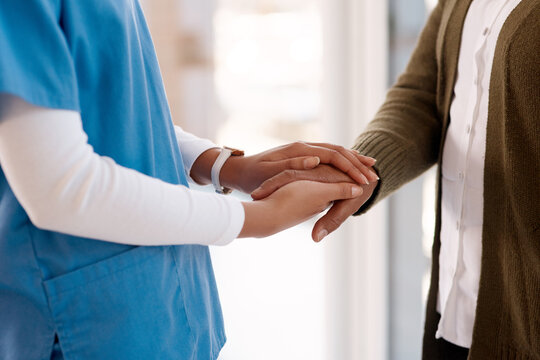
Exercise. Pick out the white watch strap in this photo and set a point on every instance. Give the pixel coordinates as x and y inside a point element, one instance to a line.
<point>216,169</point>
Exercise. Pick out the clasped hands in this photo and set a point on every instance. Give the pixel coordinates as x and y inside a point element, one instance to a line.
<point>294,182</point>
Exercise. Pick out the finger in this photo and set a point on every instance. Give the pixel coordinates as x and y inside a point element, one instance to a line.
<point>299,163</point>
<point>369,161</point>
<point>359,161</point>
<point>333,219</point>
<point>329,155</point>
<point>276,182</point>
<point>340,191</point>
<point>338,160</point>
<point>322,173</point>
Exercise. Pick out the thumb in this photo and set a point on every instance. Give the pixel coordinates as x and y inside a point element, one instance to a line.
<point>311,162</point>
<point>338,213</point>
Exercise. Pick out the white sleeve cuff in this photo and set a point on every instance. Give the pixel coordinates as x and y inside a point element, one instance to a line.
<point>236,216</point>
<point>191,147</point>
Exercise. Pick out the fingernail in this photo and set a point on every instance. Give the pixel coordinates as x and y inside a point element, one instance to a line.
<point>356,191</point>
<point>321,234</point>
<point>374,175</point>
<point>372,159</point>
<point>311,162</point>
<point>366,181</point>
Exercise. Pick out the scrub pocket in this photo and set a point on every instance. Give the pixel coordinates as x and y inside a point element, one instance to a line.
<point>130,306</point>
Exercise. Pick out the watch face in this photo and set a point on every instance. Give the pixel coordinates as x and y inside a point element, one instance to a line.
<point>235,152</point>
<point>224,191</point>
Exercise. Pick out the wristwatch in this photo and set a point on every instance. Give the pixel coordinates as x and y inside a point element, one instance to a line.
<point>223,156</point>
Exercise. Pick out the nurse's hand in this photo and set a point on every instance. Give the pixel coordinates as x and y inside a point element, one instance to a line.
<point>293,204</point>
<point>247,173</point>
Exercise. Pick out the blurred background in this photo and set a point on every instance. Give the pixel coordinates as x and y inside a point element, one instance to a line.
<point>254,74</point>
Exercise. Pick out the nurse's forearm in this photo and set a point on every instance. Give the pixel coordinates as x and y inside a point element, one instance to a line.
<point>247,173</point>
<point>65,186</point>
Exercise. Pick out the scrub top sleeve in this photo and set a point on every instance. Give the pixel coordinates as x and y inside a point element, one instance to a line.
<point>35,61</point>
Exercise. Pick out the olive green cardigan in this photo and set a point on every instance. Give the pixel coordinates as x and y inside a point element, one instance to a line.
<point>407,137</point>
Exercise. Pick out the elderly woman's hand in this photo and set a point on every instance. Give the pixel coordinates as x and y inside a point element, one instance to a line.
<point>340,210</point>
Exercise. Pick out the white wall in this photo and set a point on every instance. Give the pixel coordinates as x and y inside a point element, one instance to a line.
<point>355,73</point>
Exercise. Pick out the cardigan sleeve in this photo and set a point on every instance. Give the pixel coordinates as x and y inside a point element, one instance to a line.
<point>405,134</point>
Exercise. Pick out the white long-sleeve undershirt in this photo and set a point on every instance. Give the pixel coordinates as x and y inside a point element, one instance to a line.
<point>64,186</point>
<point>191,147</point>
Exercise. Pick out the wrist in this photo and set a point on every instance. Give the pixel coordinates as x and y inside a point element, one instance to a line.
<point>256,222</point>
<point>201,169</point>
<point>232,172</point>
<point>369,195</point>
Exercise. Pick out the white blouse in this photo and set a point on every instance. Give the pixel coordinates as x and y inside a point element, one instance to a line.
<point>463,172</point>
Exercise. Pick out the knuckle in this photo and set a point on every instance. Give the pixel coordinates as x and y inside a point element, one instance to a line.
<point>290,174</point>
<point>298,163</point>
<point>346,166</point>
<point>334,155</point>
<point>325,178</point>
<point>289,147</point>
<point>270,182</point>
<point>333,223</point>
<point>266,185</point>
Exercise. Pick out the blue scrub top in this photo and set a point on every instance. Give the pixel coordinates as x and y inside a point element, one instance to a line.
<point>103,300</point>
